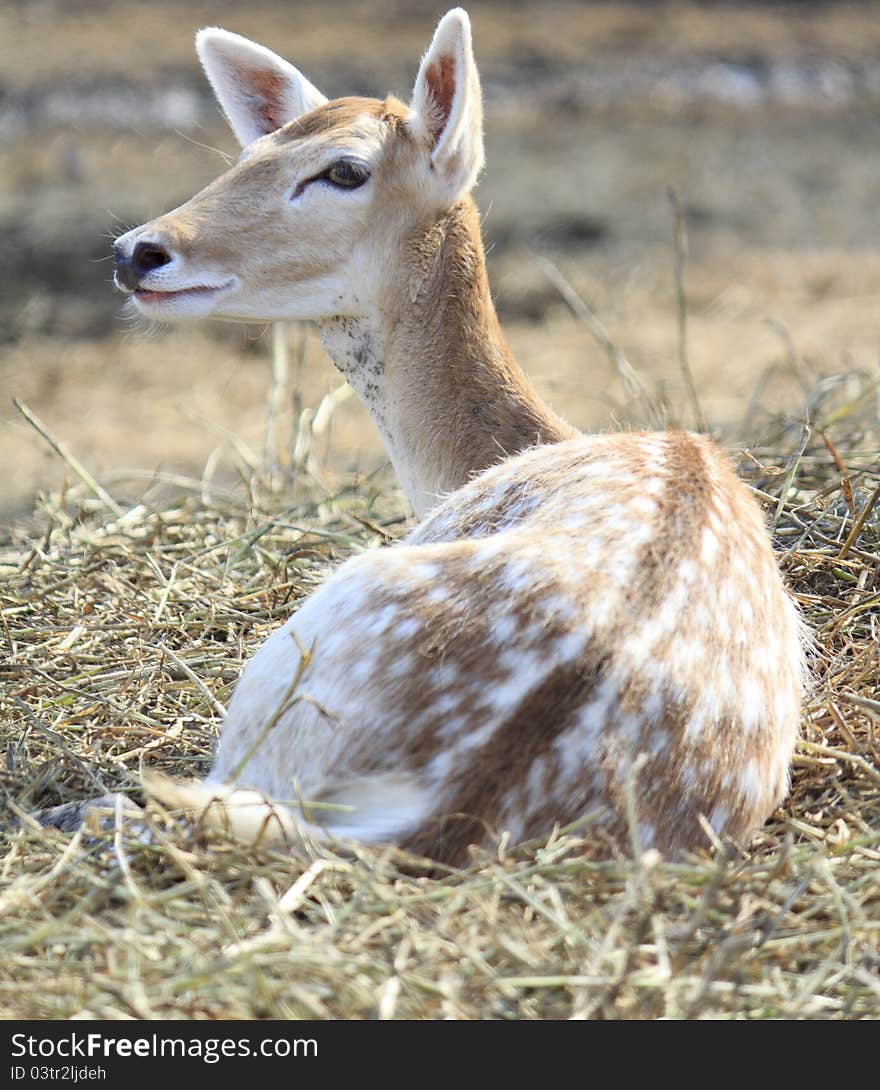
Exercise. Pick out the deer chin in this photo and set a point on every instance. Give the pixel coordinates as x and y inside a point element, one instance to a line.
<point>198,300</point>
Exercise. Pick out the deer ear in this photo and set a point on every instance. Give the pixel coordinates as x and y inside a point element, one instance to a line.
<point>258,91</point>
<point>447,105</point>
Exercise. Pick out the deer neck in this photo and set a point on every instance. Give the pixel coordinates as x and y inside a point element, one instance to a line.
<point>430,362</point>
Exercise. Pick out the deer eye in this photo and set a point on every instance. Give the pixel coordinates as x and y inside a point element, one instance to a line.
<point>346,174</point>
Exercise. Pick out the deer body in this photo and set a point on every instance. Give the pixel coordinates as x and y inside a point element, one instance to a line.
<point>579,625</point>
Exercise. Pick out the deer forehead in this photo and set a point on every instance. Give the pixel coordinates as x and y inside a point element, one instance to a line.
<point>342,114</point>
<point>363,127</point>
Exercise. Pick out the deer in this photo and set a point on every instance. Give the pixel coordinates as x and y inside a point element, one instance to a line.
<point>581,629</point>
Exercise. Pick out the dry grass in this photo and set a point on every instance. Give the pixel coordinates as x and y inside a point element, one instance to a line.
<point>123,635</point>
<point>123,632</point>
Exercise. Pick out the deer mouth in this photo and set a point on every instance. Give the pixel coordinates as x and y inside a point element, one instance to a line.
<point>152,297</point>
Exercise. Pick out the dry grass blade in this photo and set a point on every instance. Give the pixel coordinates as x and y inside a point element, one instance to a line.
<point>630,379</point>
<point>681,246</point>
<point>78,468</point>
<point>859,522</point>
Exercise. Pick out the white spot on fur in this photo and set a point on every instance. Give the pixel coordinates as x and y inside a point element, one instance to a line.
<point>576,747</point>
<point>504,628</point>
<point>401,667</point>
<point>687,571</point>
<point>668,617</point>
<point>570,646</point>
<point>695,725</point>
<point>642,507</point>
<point>475,739</point>
<point>425,570</point>
<point>652,486</point>
<point>408,628</point>
<point>384,807</point>
<point>751,704</point>
<point>445,703</point>
<point>385,618</point>
<point>722,625</point>
<point>518,577</point>
<point>440,767</point>
<point>535,783</point>
<point>708,547</point>
<point>654,706</point>
<point>514,827</point>
<point>719,817</point>
<point>751,784</point>
<point>630,727</point>
<point>647,834</point>
<point>525,670</point>
<point>658,742</point>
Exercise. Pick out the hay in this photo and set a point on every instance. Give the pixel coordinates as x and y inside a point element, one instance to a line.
<point>123,635</point>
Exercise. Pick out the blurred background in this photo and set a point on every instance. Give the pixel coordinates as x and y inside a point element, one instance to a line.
<point>765,118</point>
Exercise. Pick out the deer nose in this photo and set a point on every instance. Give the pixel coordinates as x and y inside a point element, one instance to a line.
<point>144,258</point>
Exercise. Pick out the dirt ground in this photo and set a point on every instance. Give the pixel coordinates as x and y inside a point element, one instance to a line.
<point>764,118</point>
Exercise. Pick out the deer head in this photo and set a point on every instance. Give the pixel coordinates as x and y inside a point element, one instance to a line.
<point>309,222</point>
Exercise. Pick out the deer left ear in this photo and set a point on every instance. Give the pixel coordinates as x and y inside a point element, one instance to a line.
<point>447,105</point>
<point>258,90</point>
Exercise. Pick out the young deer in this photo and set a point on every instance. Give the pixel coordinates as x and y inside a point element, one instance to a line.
<point>574,615</point>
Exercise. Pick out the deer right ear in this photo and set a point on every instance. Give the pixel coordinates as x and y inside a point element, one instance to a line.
<point>447,105</point>
<point>257,90</point>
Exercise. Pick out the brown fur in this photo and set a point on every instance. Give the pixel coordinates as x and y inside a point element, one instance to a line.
<point>469,399</point>
<point>339,114</point>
